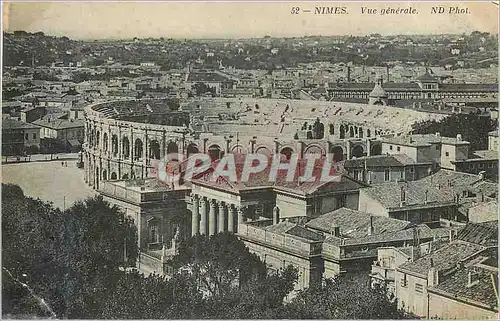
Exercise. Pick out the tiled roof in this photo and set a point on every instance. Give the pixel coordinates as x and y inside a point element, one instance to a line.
<point>423,140</point>
<point>11,123</point>
<point>262,180</point>
<point>483,291</point>
<point>487,154</point>
<point>487,188</point>
<point>354,223</point>
<point>288,228</point>
<point>206,76</point>
<point>427,78</point>
<point>441,187</point>
<point>445,258</point>
<point>378,161</point>
<point>485,234</point>
<point>60,123</point>
<point>469,87</point>
<point>484,212</point>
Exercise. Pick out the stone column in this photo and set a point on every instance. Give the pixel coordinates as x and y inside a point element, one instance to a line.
<point>241,218</point>
<point>203,220</point>
<point>195,211</point>
<point>221,218</point>
<point>212,224</point>
<point>230,218</point>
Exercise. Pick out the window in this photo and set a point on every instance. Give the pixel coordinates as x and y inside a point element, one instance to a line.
<point>490,165</point>
<point>390,147</point>
<point>26,136</point>
<point>447,154</point>
<point>481,165</point>
<point>356,174</point>
<point>419,288</point>
<point>34,135</point>
<point>386,175</point>
<point>404,281</point>
<point>399,149</point>
<point>412,170</point>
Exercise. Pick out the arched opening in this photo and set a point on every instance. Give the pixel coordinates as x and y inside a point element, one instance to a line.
<point>264,151</point>
<point>360,132</point>
<point>351,131</point>
<point>125,176</point>
<point>368,133</point>
<point>332,129</point>
<point>287,152</point>
<point>192,149</point>
<point>338,153</point>
<point>357,151</point>
<point>97,140</point>
<point>215,152</point>
<point>105,142</point>
<point>113,176</point>
<point>125,148</point>
<point>114,145</point>
<point>342,132</point>
<point>138,149</point>
<point>172,151</point>
<point>376,150</point>
<point>309,134</point>
<point>314,149</point>
<point>104,175</point>
<point>154,149</point>
<point>97,177</point>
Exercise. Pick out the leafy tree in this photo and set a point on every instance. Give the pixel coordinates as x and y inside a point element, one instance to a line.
<point>347,297</point>
<point>218,263</point>
<point>473,128</point>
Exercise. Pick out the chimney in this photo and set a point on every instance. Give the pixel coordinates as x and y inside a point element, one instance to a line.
<point>403,197</point>
<point>276,215</point>
<point>336,231</point>
<point>426,196</point>
<point>432,276</point>
<point>459,137</point>
<point>371,229</point>
<point>472,279</point>
<point>481,175</point>
<point>450,235</point>
<point>438,134</point>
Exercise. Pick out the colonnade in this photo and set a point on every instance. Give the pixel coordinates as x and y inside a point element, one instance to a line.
<point>210,216</point>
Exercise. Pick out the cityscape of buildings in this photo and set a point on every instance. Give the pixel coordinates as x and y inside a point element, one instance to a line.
<point>414,211</point>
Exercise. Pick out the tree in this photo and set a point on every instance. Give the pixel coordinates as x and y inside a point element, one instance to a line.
<point>346,297</point>
<point>218,263</point>
<point>473,128</point>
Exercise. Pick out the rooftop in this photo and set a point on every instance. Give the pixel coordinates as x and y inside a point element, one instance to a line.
<point>485,234</point>
<point>354,223</point>
<point>60,123</point>
<point>11,123</point>
<point>379,161</point>
<point>418,140</point>
<point>443,259</point>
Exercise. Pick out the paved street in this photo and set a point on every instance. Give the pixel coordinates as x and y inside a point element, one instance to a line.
<point>49,181</point>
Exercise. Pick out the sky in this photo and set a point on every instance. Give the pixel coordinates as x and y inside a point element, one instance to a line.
<point>102,20</point>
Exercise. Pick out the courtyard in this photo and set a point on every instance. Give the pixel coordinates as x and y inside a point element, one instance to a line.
<point>49,181</point>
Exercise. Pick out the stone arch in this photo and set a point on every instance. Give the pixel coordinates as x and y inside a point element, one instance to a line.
<point>357,151</point>
<point>97,139</point>
<point>263,150</point>
<point>351,131</point>
<point>376,149</point>
<point>172,151</point>
<point>338,153</point>
<point>154,149</point>
<point>314,149</point>
<point>125,147</point>
<point>113,175</point>
<point>105,142</point>
<point>342,132</point>
<point>138,149</point>
<point>215,152</point>
<point>114,145</point>
<point>287,152</point>
<point>192,149</point>
<point>104,175</point>
<point>238,148</point>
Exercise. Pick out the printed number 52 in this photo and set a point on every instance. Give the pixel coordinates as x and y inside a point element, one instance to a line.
<point>295,10</point>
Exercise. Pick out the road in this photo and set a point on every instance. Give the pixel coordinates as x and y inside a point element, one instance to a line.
<point>49,181</point>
